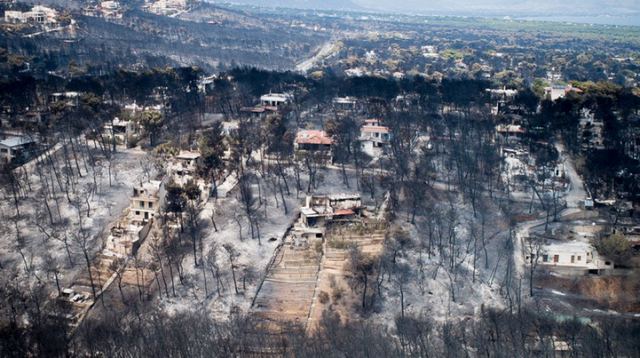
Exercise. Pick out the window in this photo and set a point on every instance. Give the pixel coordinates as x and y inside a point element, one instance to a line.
<point>579,258</point>
<point>573,259</point>
<point>142,204</point>
<point>545,258</point>
<point>556,258</point>
<point>150,205</point>
<point>137,213</point>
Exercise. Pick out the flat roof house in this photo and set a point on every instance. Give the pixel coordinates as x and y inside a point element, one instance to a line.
<point>16,148</point>
<point>145,202</point>
<point>319,209</point>
<point>573,257</point>
<point>185,164</point>
<point>275,100</point>
<point>374,137</point>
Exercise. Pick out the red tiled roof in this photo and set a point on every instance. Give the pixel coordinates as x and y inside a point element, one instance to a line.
<point>313,137</point>
<point>344,212</point>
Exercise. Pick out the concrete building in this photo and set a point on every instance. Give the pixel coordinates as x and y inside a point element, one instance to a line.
<point>557,91</point>
<point>374,138</point>
<point>313,141</point>
<point>146,202</point>
<point>121,130</point>
<point>345,103</point>
<point>573,257</point>
<point>16,148</point>
<point>591,131</point>
<point>275,100</point>
<point>184,166</point>
<point>510,130</point>
<point>167,7</point>
<point>38,14</point>
<point>320,209</point>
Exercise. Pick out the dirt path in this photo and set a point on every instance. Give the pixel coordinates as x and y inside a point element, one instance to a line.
<point>287,292</point>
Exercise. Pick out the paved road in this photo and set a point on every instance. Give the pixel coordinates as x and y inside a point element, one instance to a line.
<point>577,192</point>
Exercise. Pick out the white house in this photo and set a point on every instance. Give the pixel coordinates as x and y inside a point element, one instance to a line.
<point>556,91</point>
<point>14,16</point>
<point>571,256</point>
<point>345,103</point>
<point>168,7</point>
<point>184,166</point>
<point>145,202</point>
<point>374,137</point>
<point>38,14</point>
<point>275,100</point>
<point>13,148</point>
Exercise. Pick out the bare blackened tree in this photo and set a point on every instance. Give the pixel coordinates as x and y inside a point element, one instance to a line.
<point>249,202</point>
<point>535,249</point>
<point>402,275</point>
<point>363,267</point>
<point>232,255</point>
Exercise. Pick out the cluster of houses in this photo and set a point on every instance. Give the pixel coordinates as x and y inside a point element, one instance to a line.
<point>145,203</point>
<point>374,139</point>
<point>37,15</point>
<point>167,7</point>
<point>106,9</point>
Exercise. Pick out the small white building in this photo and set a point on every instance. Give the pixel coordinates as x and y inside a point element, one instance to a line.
<point>184,166</point>
<point>14,17</point>
<point>38,14</point>
<point>167,7</point>
<point>110,5</point>
<point>275,100</point>
<point>374,138</point>
<point>16,148</point>
<point>145,202</point>
<point>557,91</point>
<point>510,130</point>
<point>577,256</point>
<point>345,103</point>
<point>69,98</point>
